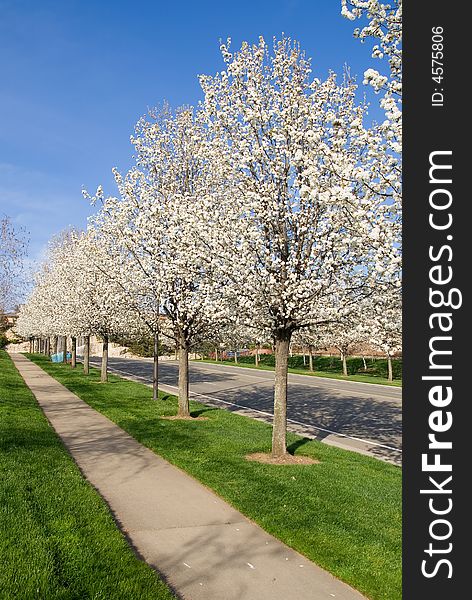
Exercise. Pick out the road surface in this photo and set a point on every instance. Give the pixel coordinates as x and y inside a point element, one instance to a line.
<point>363,417</point>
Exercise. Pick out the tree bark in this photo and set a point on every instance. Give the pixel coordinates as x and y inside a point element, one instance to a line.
<point>86,355</point>
<point>184,404</point>
<point>64,349</point>
<point>104,373</point>
<point>310,359</point>
<point>256,357</point>
<point>343,358</point>
<point>365,364</point>
<point>279,429</point>
<point>55,342</point>
<point>31,346</point>
<point>304,358</point>
<point>73,362</point>
<point>216,354</point>
<point>236,356</point>
<point>390,368</point>
<point>155,367</point>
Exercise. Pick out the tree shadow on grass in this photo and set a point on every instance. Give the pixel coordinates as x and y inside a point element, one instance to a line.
<point>293,447</point>
<point>200,411</point>
<point>26,439</point>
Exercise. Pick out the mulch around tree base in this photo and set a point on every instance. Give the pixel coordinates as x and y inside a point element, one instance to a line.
<point>288,459</point>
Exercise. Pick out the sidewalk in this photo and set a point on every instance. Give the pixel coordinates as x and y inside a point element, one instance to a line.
<point>205,549</point>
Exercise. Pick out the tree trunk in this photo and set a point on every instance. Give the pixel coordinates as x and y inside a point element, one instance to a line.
<point>73,362</point>
<point>216,354</point>
<point>104,373</point>
<point>390,369</point>
<point>256,357</point>
<point>64,349</point>
<point>155,367</point>
<point>31,346</point>
<point>279,429</point>
<point>236,356</point>
<point>304,357</point>
<point>184,405</point>
<point>86,355</point>
<point>310,359</point>
<point>365,364</point>
<point>55,342</point>
<point>343,358</point>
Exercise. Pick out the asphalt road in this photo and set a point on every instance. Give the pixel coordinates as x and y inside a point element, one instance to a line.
<point>363,417</point>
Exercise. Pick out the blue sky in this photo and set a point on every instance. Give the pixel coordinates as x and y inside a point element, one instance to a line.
<point>75,76</point>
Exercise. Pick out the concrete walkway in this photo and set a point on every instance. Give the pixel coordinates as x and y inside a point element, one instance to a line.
<point>205,549</point>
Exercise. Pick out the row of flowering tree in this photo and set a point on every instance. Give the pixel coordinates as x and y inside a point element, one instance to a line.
<point>271,211</point>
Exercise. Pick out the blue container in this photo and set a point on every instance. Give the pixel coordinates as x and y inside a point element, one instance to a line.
<point>60,356</point>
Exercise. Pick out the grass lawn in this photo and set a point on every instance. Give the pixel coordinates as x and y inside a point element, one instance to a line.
<point>344,513</point>
<point>328,374</point>
<point>58,539</point>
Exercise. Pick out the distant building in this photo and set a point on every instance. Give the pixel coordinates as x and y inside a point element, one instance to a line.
<point>10,318</point>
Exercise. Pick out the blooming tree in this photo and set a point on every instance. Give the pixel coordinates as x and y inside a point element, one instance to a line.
<point>76,295</point>
<point>154,223</point>
<point>104,306</point>
<point>47,311</point>
<point>117,228</point>
<point>383,326</point>
<point>300,229</point>
<point>384,28</point>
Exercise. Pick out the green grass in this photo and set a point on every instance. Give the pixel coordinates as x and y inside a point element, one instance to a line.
<point>305,371</point>
<point>58,539</point>
<point>344,513</point>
